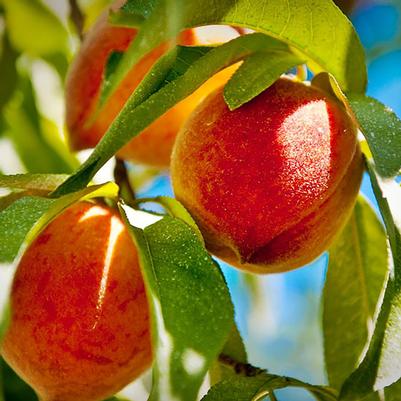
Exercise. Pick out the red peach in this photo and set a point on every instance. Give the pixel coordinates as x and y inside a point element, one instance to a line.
<point>272,182</point>
<point>79,327</point>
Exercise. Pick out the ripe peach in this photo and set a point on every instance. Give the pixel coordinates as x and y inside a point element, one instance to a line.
<point>272,182</point>
<point>79,328</point>
<point>153,147</point>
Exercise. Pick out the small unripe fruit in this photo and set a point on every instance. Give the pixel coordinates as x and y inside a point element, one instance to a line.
<point>153,146</point>
<point>272,182</point>
<point>79,327</point>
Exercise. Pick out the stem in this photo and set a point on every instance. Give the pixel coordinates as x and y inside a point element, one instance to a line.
<point>265,393</point>
<point>77,18</point>
<point>278,382</point>
<point>122,179</point>
<point>240,368</point>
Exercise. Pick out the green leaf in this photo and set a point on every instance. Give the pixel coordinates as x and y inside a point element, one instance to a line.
<point>139,8</point>
<point>167,69</point>
<point>32,182</point>
<point>110,68</point>
<point>357,273</point>
<point>257,73</point>
<point>382,130</point>
<point>21,221</point>
<point>175,209</point>
<point>172,79</point>
<point>34,29</point>
<point>8,71</point>
<point>232,356</point>
<point>10,198</point>
<point>381,365</point>
<point>317,29</point>
<point>14,388</point>
<point>234,347</point>
<point>380,125</point>
<point>258,387</point>
<point>392,393</point>
<point>25,131</point>
<point>16,221</point>
<point>191,310</point>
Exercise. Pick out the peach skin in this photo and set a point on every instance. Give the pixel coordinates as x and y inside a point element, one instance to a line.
<point>79,327</point>
<point>272,182</point>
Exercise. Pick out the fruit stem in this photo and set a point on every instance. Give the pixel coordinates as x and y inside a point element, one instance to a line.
<point>122,179</point>
<point>240,368</point>
<point>77,18</point>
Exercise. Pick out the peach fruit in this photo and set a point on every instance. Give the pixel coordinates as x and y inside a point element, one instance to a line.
<point>153,147</point>
<point>272,182</point>
<point>79,328</point>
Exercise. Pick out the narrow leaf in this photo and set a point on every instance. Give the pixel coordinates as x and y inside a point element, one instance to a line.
<point>16,221</point>
<point>392,393</point>
<point>316,28</point>
<point>191,308</point>
<point>32,182</point>
<point>382,130</point>
<point>357,272</point>
<point>381,365</point>
<point>7,69</point>
<point>14,388</point>
<point>258,387</point>
<point>175,209</point>
<point>33,28</point>
<point>380,125</point>
<point>21,221</point>
<point>256,74</point>
<point>232,358</point>
<point>25,131</point>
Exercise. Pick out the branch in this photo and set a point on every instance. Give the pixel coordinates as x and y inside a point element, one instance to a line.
<point>240,368</point>
<point>122,179</point>
<point>77,18</point>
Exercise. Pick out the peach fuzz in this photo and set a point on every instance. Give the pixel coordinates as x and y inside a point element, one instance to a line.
<point>79,327</point>
<point>272,182</point>
<point>153,146</point>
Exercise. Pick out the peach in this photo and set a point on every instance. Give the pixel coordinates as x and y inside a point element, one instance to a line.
<point>79,328</point>
<point>272,182</point>
<point>153,146</point>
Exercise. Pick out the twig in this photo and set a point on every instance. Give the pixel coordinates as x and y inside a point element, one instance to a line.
<point>122,179</point>
<point>77,18</point>
<point>240,368</point>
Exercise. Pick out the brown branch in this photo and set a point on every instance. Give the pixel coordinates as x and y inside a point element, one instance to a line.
<point>272,396</point>
<point>122,179</point>
<point>240,368</point>
<point>77,17</point>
